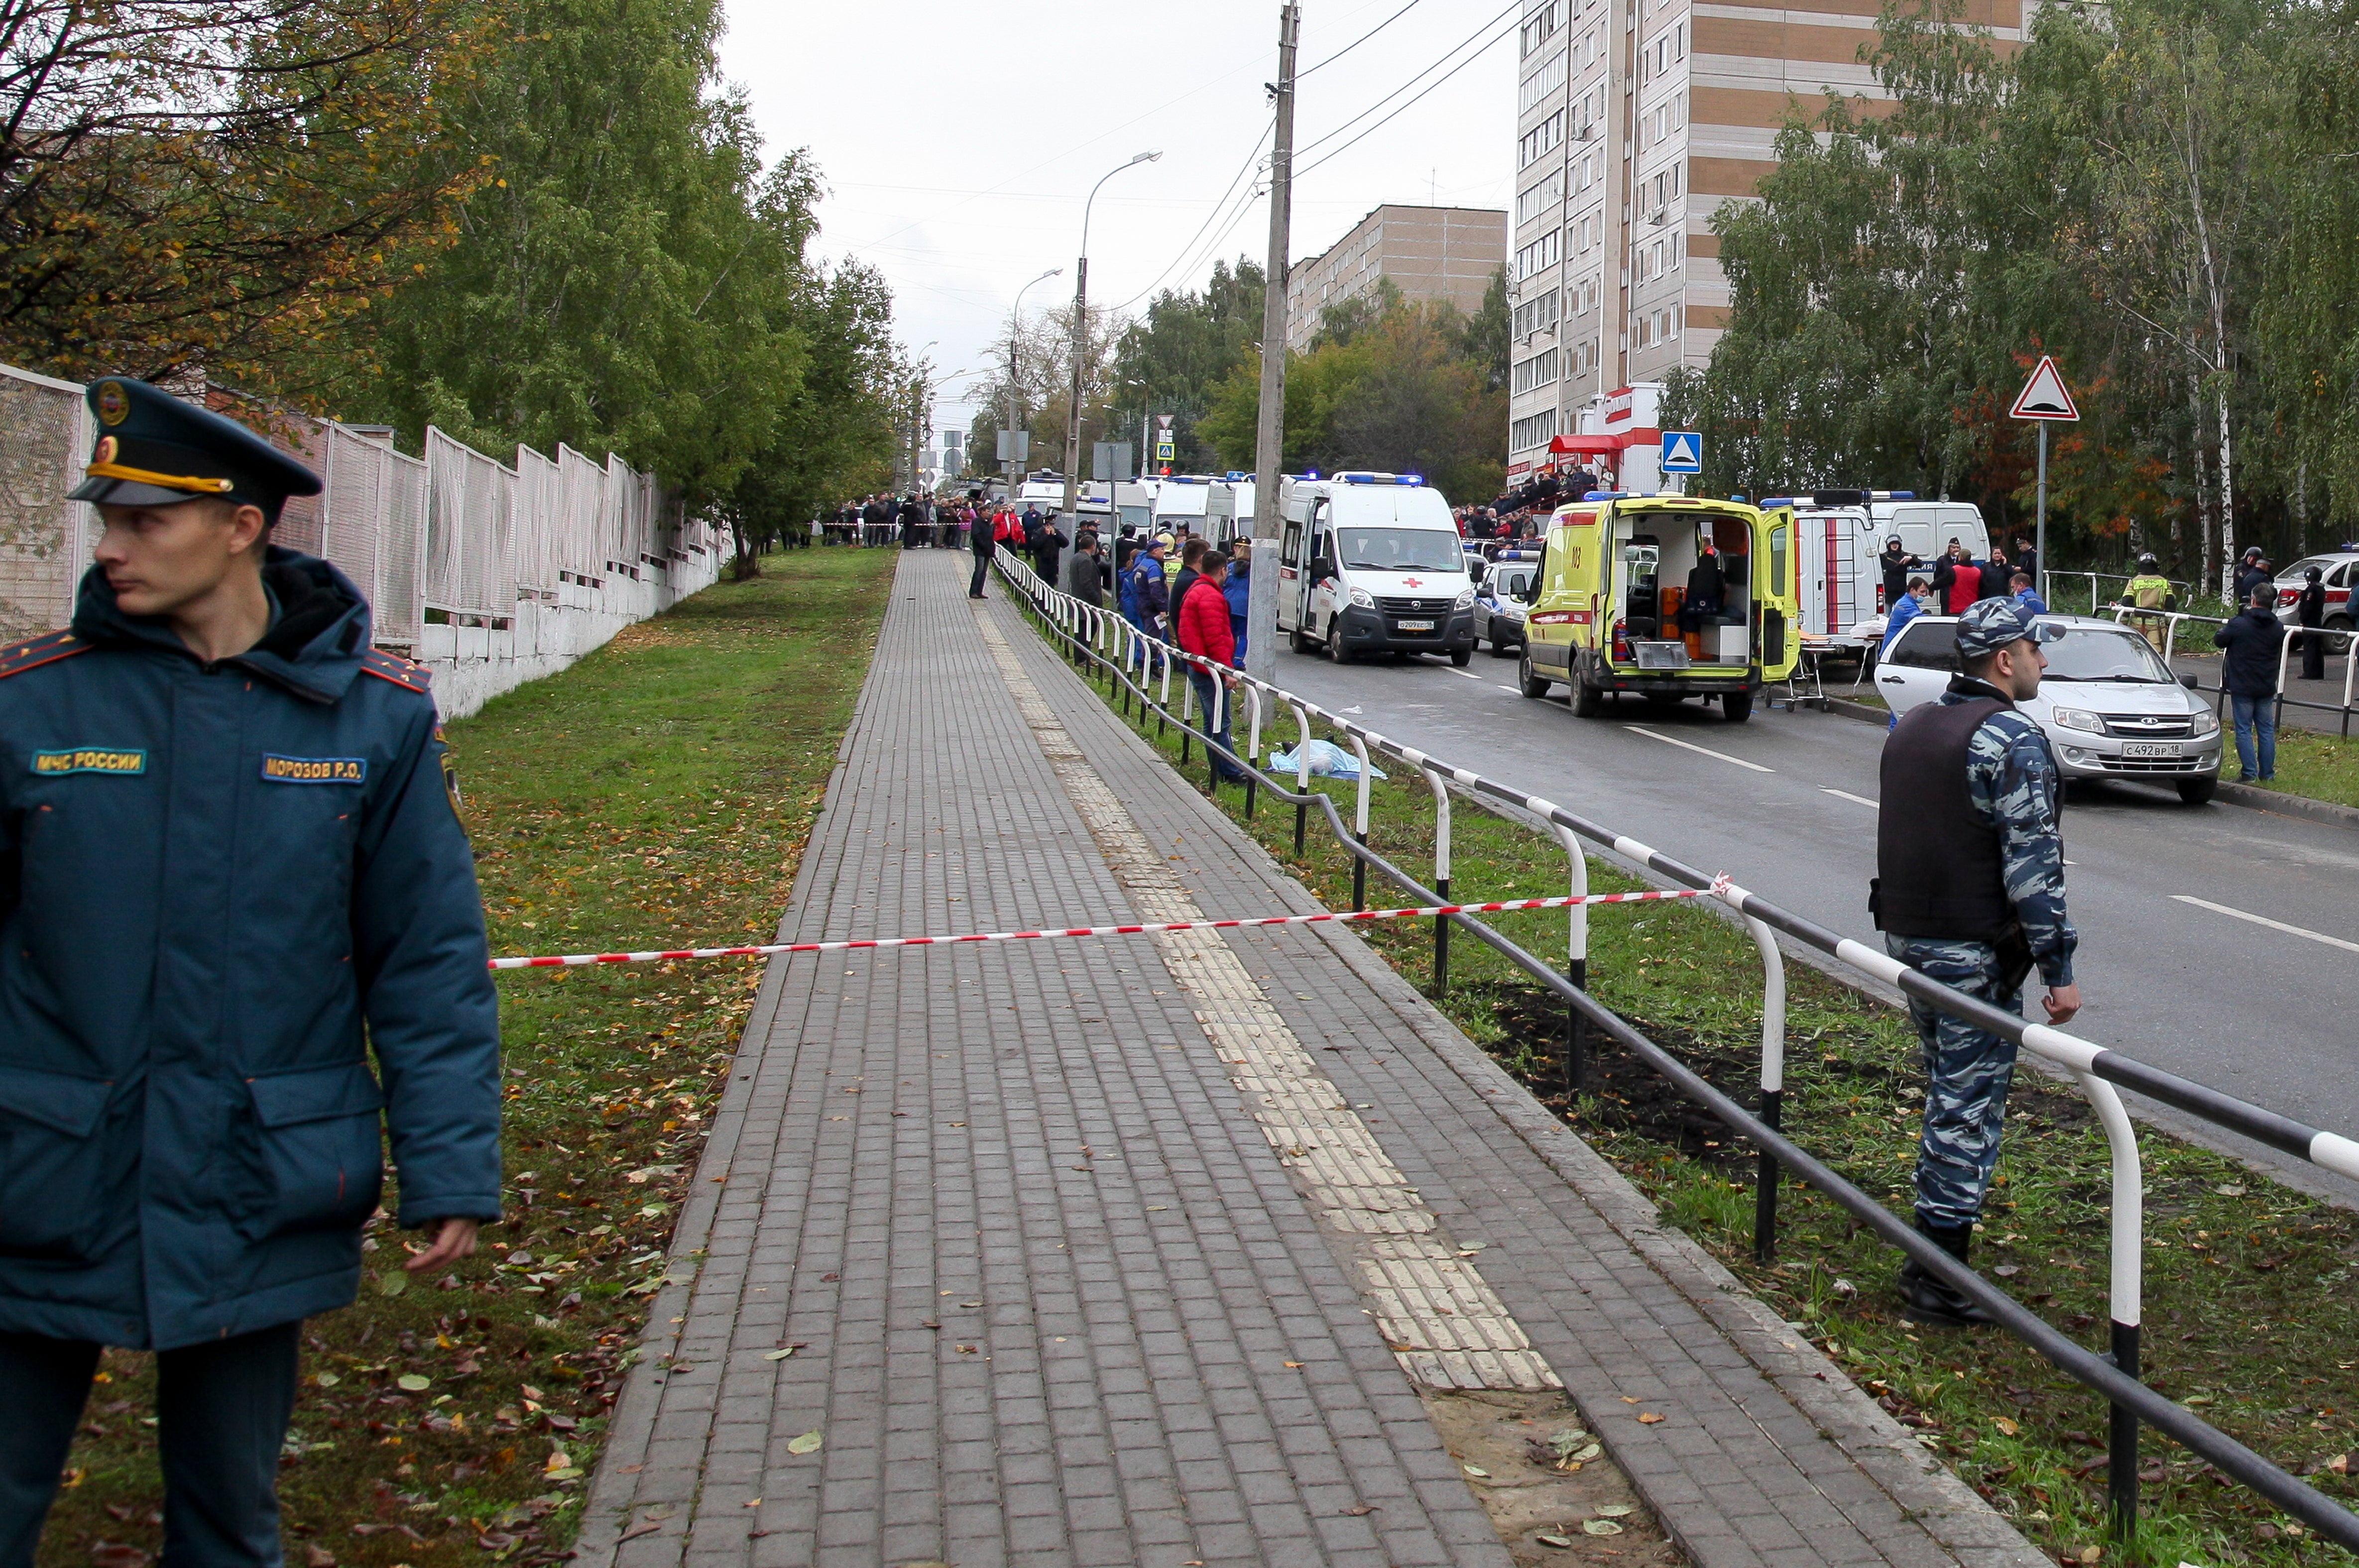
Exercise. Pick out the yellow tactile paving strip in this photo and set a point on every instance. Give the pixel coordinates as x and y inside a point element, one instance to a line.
<point>1447,1327</point>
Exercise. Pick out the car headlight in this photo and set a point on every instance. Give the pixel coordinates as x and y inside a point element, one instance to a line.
<point>2207,723</point>
<point>1465,600</point>
<point>1363,598</point>
<point>2077,719</point>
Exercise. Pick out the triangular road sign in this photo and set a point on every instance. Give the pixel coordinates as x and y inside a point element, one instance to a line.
<point>2044,397</point>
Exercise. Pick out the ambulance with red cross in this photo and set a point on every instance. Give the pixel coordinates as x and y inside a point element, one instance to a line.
<point>1370,563</point>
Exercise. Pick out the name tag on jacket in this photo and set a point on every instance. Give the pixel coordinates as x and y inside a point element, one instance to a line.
<point>314,769</point>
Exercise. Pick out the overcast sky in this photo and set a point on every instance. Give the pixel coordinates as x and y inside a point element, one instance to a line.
<point>958,139</point>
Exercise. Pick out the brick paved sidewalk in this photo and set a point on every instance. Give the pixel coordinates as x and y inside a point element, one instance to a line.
<point>1138,1250</point>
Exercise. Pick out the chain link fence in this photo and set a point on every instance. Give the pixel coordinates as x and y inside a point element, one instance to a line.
<point>464,559</point>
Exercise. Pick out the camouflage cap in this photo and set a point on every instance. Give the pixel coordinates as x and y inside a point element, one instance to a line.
<point>1990,624</point>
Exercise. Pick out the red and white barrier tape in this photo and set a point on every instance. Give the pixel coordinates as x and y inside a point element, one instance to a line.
<point>572,960</point>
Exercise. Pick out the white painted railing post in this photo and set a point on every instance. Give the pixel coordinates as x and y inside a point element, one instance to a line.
<point>1436,781</point>
<point>2124,1293</point>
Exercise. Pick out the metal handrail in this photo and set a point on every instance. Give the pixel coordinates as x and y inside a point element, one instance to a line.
<point>2346,707</point>
<point>2093,1068</point>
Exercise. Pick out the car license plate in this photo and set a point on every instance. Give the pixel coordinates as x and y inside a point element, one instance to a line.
<point>2151,749</point>
<point>1413,625</point>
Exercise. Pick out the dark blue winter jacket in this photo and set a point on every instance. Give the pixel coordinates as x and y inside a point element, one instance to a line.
<point>223,888</point>
<point>1238,590</point>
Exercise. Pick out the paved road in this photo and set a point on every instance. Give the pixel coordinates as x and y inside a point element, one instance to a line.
<point>1786,804</point>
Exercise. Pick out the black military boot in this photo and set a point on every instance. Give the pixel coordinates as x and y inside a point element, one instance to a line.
<point>1930,1300</point>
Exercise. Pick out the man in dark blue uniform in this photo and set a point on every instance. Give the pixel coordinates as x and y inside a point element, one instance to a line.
<point>230,871</point>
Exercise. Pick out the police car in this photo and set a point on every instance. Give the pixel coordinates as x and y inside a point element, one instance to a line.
<point>1499,607</point>
<point>2109,707</point>
<point>2338,574</point>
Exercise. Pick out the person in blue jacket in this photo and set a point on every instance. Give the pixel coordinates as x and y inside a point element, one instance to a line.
<point>232,872</point>
<point>1239,590</point>
<point>1127,582</point>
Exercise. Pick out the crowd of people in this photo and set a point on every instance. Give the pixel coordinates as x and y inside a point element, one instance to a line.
<point>913,521</point>
<point>1524,512</point>
<point>1175,589</point>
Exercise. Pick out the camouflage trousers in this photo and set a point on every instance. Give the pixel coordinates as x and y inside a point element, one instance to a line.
<point>1967,1072</point>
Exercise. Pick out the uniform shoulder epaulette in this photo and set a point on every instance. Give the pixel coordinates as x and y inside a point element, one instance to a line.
<point>15,658</point>
<point>401,671</point>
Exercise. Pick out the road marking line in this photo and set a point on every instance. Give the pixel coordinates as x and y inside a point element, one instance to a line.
<point>1508,689</point>
<point>1855,799</point>
<point>1704,750</point>
<point>2264,920</point>
<point>1470,675</point>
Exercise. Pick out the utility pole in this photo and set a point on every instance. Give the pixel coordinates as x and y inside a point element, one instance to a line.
<point>1261,598</point>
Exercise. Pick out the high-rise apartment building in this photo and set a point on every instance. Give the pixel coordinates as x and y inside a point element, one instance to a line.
<point>1428,252</point>
<point>1635,120</point>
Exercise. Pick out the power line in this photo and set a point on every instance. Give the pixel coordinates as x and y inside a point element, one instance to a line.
<point>1252,156</point>
<point>1380,125</point>
<point>1193,254</point>
<point>1091,142</point>
<point>1363,38</point>
<point>1244,211</point>
<point>1512,6</point>
<point>1200,253</point>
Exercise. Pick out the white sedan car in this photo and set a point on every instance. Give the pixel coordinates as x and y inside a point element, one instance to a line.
<point>2109,706</point>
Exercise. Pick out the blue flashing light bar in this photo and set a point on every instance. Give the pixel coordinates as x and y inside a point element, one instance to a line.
<point>1607,495</point>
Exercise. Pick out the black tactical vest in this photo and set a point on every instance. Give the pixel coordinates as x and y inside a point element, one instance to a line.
<point>1939,871</point>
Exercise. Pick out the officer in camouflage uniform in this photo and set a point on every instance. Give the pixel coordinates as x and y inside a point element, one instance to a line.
<point>1970,890</point>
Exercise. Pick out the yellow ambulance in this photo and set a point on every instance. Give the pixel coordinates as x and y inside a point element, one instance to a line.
<point>1668,597</point>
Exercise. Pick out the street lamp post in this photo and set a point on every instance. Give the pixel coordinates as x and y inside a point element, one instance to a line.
<point>923,420</point>
<point>1011,462</point>
<point>1081,340</point>
<point>918,416</point>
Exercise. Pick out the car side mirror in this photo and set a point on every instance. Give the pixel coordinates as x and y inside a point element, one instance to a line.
<point>2187,681</point>
<point>1321,568</point>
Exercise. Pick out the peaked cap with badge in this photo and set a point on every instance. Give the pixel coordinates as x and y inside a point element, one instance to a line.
<point>156,450</point>
<point>241,941</point>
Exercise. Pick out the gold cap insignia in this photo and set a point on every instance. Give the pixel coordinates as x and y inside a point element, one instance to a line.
<point>114,402</point>
<point>107,449</point>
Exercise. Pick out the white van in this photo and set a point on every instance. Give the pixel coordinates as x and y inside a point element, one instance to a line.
<point>1181,500</point>
<point>1839,534</point>
<point>1134,506</point>
<point>1370,563</point>
<point>1229,515</point>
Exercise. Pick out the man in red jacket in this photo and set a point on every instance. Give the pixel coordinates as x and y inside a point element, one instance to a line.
<point>1202,624</point>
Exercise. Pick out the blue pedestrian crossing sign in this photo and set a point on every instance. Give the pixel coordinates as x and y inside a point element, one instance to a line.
<point>1682,451</point>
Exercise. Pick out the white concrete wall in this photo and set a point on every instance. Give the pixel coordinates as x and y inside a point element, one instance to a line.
<point>472,665</point>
